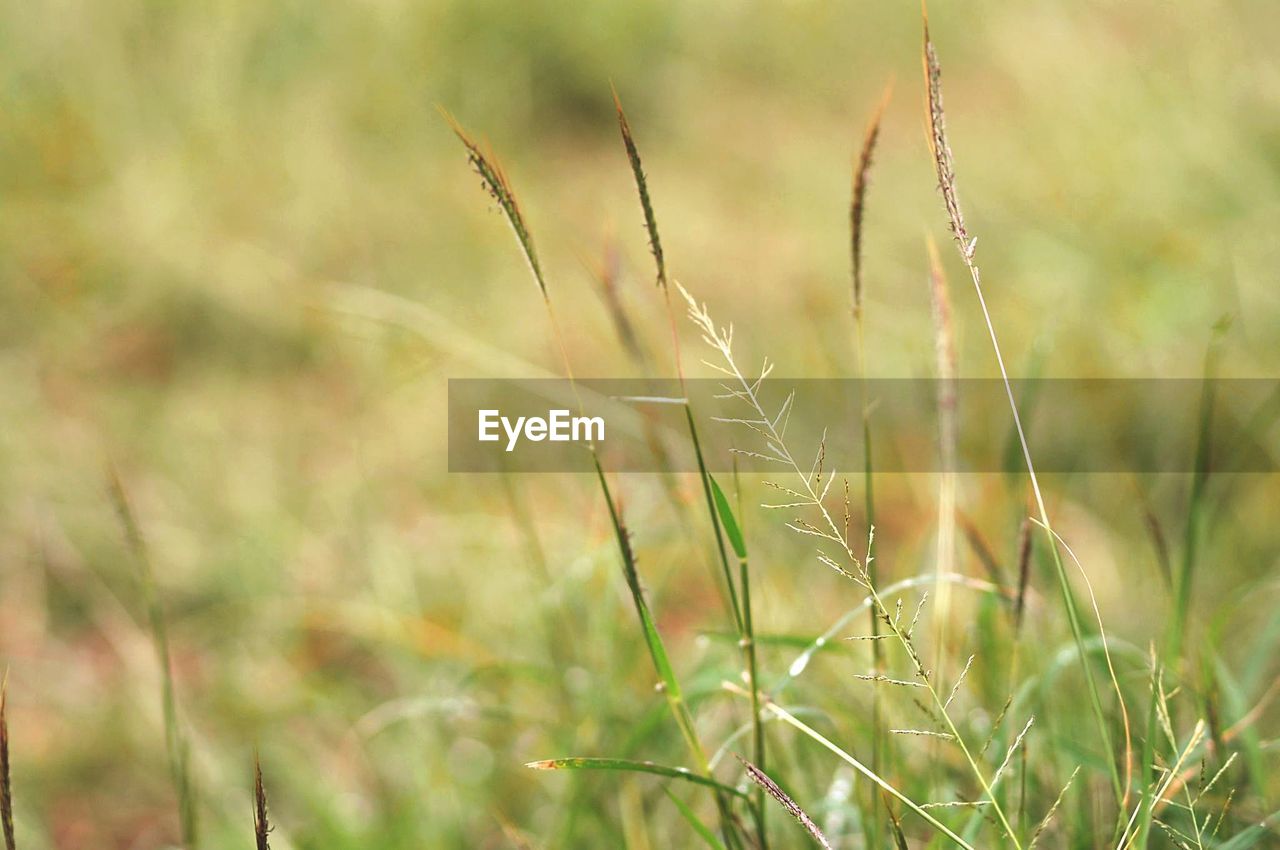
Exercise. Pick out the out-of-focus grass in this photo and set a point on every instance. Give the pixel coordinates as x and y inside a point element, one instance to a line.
<point>187,192</point>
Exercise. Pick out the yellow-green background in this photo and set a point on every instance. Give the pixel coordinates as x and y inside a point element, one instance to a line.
<point>241,252</point>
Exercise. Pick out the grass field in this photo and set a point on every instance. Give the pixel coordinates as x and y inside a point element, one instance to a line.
<point>242,253</point>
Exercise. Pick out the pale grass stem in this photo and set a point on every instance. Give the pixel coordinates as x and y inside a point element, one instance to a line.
<point>945,365</point>
<point>718,508</point>
<point>944,166</point>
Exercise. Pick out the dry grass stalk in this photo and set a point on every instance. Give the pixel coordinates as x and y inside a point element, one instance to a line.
<point>944,165</point>
<point>6,788</point>
<point>759,777</point>
<point>1024,572</point>
<point>861,175</point>
<point>943,160</point>
<point>261,826</point>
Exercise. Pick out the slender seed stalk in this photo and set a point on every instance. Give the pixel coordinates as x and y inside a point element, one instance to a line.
<point>176,745</point>
<point>740,607</point>
<point>498,187</point>
<point>943,162</point>
<point>857,211</point>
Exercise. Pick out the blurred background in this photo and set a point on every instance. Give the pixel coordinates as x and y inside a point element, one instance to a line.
<point>242,252</point>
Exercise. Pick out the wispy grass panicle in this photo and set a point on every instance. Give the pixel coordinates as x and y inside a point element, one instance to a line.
<point>857,206</point>
<point>495,183</point>
<point>261,825</point>
<point>6,781</point>
<point>945,167</point>
<point>943,160</point>
<point>814,482</point>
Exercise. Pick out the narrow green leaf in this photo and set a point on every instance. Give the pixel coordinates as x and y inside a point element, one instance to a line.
<point>703,831</point>
<point>633,767</point>
<point>727,519</point>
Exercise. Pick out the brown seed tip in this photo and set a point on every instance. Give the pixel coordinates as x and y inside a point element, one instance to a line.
<point>759,777</point>
<point>6,790</point>
<point>261,826</point>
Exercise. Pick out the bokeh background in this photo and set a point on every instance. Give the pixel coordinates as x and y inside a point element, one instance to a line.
<point>241,252</point>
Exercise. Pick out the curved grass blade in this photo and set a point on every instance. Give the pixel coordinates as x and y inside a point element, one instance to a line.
<point>703,831</point>
<point>629,765</point>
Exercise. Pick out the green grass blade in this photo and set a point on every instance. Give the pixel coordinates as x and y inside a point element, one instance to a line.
<point>635,767</point>
<point>657,651</point>
<point>701,829</point>
<point>176,744</point>
<point>727,519</point>
<point>733,531</point>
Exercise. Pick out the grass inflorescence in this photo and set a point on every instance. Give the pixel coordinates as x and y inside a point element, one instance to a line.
<point>987,783</point>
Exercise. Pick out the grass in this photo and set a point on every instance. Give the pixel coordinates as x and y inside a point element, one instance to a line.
<point>243,269</point>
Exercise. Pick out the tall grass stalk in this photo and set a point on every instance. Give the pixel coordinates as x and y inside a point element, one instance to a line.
<point>176,744</point>
<point>967,245</point>
<point>719,512</point>
<point>499,188</point>
<point>857,212</point>
<point>1182,580</point>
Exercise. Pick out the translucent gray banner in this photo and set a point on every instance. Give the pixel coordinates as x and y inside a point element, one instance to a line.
<point>1072,425</point>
